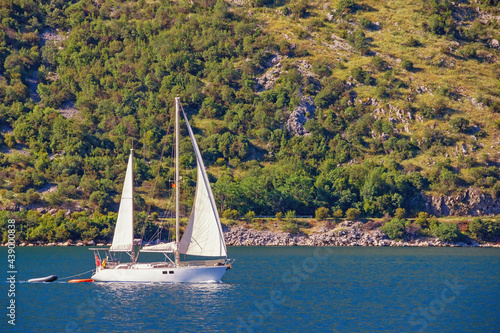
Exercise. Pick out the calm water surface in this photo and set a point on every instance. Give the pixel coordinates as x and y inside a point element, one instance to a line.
<point>271,289</point>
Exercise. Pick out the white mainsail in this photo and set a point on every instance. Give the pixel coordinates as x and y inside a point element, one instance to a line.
<point>203,235</point>
<point>123,238</point>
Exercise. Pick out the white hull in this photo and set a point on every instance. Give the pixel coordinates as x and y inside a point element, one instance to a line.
<point>147,273</point>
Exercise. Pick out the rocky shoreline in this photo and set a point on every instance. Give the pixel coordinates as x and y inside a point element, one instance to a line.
<point>347,233</point>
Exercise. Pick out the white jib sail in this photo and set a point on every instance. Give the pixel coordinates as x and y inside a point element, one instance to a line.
<point>203,235</point>
<point>124,231</point>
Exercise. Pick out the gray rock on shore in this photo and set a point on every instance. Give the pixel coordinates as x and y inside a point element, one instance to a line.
<point>345,234</point>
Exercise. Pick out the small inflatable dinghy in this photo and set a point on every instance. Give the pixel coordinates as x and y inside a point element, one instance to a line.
<point>49,278</point>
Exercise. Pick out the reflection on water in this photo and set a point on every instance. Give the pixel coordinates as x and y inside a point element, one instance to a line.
<point>131,291</point>
<point>202,302</point>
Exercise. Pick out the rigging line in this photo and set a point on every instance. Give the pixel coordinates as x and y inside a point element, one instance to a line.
<point>154,236</point>
<point>68,277</point>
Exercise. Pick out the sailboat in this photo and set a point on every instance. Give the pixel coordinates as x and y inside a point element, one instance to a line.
<point>203,236</point>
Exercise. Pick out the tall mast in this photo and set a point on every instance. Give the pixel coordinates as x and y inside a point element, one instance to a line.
<point>131,153</point>
<point>177,189</point>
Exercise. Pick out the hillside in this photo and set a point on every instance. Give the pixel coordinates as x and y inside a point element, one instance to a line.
<point>297,104</point>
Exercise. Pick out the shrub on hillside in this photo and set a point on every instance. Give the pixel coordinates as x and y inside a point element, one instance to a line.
<point>440,107</point>
<point>290,227</point>
<point>407,65</point>
<point>321,213</point>
<point>495,107</point>
<point>346,6</point>
<point>468,51</point>
<point>321,69</point>
<point>395,228</point>
<point>447,232</point>
<point>358,74</point>
<point>337,214</point>
<point>290,216</point>
<point>400,213</point>
<point>352,213</point>
<point>230,214</point>
<point>422,220</point>
<point>365,23</point>
<point>299,9</point>
<point>459,124</point>
<point>378,63</point>
<point>486,230</point>
<point>412,42</point>
<point>250,216</point>
<point>359,41</point>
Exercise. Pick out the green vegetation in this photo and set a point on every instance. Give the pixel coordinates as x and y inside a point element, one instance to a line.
<point>422,220</point>
<point>34,227</point>
<point>425,225</point>
<point>321,213</point>
<point>407,65</point>
<point>447,232</point>
<point>230,214</point>
<point>250,216</point>
<point>482,229</point>
<point>396,228</point>
<point>290,227</point>
<point>400,213</point>
<point>404,107</point>
<point>352,213</point>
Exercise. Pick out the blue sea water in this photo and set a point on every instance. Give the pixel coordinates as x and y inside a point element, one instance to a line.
<point>270,289</point>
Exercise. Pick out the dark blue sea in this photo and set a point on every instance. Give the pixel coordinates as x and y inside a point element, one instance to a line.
<point>269,289</point>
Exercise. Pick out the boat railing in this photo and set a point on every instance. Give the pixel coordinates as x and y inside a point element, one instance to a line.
<point>208,263</point>
<point>162,265</point>
<point>110,264</point>
<point>217,262</point>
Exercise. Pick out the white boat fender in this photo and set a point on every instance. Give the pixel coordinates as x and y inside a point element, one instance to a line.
<point>49,278</point>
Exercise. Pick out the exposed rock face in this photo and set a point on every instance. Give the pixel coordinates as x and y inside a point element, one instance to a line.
<point>238,2</point>
<point>51,35</point>
<point>268,79</point>
<point>471,202</point>
<point>348,233</point>
<point>68,110</point>
<point>304,68</point>
<point>301,113</point>
<point>338,44</point>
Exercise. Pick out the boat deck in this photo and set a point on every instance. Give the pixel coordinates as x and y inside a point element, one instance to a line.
<point>194,263</point>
